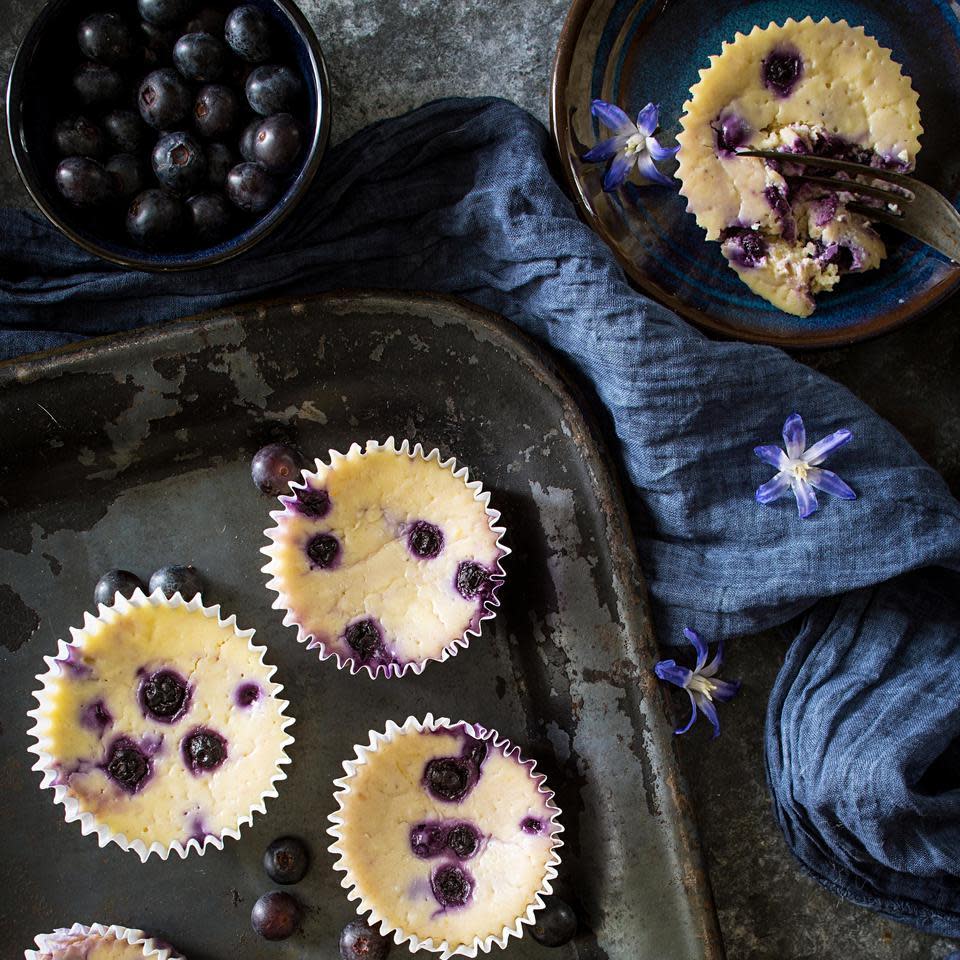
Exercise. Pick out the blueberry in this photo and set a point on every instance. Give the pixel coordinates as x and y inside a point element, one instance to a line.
<point>476,751</point>
<point>207,20</point>
<point>744,247</point>
<point>179,162</point>
<point>732,132</point>
<point>128,174</point>
<point>313,503</point>
<point>555,924</point>
<point>164,99</point>
<point>203,750</point>
<point>177,579</point>
<point>106,38</point>
<point>448,778</point>
<point>251,188</point>
<point>114,582</point>
<point>96,83</point>
<point>360,941</point>
<point>272,89</point>
<point>425,540</point>
<point>463,840</point>
<point>127,765</point>
<point>247,138</point>
<point>200,57</point>
<point>77,135</point>
<point>84,182</point>
<point>428,840</point>
<point>274,466</point>
<point>275,916</point>
<point>277,142</point>
<point>210,216</point>
<point>216,110</point>
<point>286,860</point>
<point>323,550</point>
<point>472,580</point>
<point>154,219</point>
<point>452,886</point>
<point>157,42</point>
<point>163,11</point>
<point>363,637</point>
<point>220,160</point>
<point>125,130</point>
<point>164,695</point>
<point>781,69</point>
<point>247,694</point>
<point>247,31</point>
<point>531,825</point>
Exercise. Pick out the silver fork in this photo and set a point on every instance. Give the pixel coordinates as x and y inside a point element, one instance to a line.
<point>911,206</point>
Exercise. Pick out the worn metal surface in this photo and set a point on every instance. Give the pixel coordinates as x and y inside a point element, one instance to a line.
<point>135,453</point>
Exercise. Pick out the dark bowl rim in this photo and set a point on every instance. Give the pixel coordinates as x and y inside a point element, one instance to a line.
<point>187,261</point>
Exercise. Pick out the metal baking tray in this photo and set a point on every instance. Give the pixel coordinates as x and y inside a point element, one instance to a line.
<point>134,451</point>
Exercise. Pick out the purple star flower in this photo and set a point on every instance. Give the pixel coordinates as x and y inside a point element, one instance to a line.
<point>799,470</point>
<point>633,145</point>
<point>702,684</point>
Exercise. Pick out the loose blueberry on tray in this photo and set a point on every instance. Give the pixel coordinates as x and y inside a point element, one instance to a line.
<point>274,466</point>
<point>360,941</point>
<point>114,582</point>
<point>275,916</point>
<point>555,924</point>
<point>286,860</point>
<point>177,579</point>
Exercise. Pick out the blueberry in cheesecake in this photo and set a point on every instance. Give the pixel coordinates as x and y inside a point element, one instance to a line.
<point>822,88</point>
<point>385,558</point>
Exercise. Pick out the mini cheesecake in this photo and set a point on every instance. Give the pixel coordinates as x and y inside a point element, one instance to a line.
<point>445,834</point>
<point>820,88</point>
<point>98,942</point>
<point>385,558</point>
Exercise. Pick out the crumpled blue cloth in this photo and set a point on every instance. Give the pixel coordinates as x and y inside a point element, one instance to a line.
<point>460,197</point>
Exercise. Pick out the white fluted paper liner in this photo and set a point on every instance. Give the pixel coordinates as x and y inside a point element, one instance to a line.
<point>45,762</point>
<point>400,936</point>
<point>415,452</point>
<point>151,948</point>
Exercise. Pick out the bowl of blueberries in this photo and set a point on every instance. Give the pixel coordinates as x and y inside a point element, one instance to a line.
<point>168,134</point>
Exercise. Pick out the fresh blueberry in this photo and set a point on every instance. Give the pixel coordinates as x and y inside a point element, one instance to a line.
<point>128,174</point>
<point>286,860</point>
<point>207,20</point>
<point>274,466</point>
<point>781,69</point>
<point>448,778</point>
<point>472,580</point>
<point>200,57</point>
<point>360,941</point>
<point>210,216</point>
<point>164,99</point>
<point>428,840</point>
<point>125,130</point>
<point>463,840</point>
<point>247,138</point>
<point>163,11</point>
<point>323,550</point>
<point>247,31</point>
<point>272,89</point>
<point>452,886</point>
<point>98,84</point>
<point>157,42</point>
<point>363,637</point>
<point>277,142</point>
<point>555,924</point>
<point>79,136</point>
<point>155,219</point>
<point>203,750</point>
<point>313,503</point>
<point>425,540</point>
<point>177,579</point>
<point>251,188</point>
<point>127,765</point>
<point>220,160</point>
<point>179,162</point>
<point>275,916</point>
<point>84,182</point>
<point>216,110</point>
<point>106,38</point>
<point>164,695</point>
<point>114,582</point>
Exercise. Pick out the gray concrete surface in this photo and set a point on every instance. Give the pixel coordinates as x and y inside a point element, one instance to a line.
<point>387,56</point>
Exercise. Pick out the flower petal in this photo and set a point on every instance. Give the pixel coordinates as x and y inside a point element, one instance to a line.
<point>773,455</point>
<point>715,664</point>
<point>610,115</point>
<point>618,172</point>
<point>806,498</point>
<point>693,716</point>
<point>710,712</point>
<point>648,119</point>
<point>794,435</point>
<point>724,690</point>
<point>659,152</point>
<point>669,670</point>
<point>649,172</point>
<point>699,646</point>
<point>604,150</point>
<point>829,482</point>
<point>823,448</point>
<point>773,489</point>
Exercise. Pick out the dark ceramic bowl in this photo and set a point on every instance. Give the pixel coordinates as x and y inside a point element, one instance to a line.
<point>42,69</point>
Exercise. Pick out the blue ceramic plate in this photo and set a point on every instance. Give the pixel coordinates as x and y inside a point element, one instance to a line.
<point>630,53</point>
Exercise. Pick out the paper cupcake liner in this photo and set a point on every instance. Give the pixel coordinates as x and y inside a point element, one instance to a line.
<point>152,948</point>
<point>400,936</point>
<point>456,644</point>
<point>45,762</point>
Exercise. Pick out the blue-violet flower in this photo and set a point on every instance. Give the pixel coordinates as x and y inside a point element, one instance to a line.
<point>799,470</point>
<point>702,684</point>
<point>632,145</point>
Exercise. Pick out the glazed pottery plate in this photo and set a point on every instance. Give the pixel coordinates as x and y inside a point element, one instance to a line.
<point>631,52</point>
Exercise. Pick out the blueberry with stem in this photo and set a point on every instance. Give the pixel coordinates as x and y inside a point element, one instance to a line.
<point>164,99</point>
<point>277,143</point>
<point>216,110</point>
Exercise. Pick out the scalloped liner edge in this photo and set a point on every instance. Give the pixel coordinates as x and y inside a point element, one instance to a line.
<point>152,948</point>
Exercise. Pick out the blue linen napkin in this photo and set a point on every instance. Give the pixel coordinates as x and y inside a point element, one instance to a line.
<point>863,728</point>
